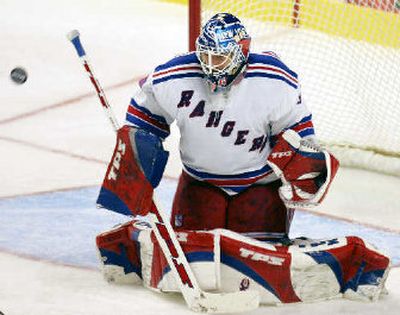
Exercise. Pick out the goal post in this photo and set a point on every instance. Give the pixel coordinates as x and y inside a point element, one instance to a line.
<point>347,56</point>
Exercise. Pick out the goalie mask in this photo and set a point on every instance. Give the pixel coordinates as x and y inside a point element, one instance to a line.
<point>222,49</point>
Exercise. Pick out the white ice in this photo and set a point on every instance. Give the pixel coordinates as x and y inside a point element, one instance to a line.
<point>54,137</point>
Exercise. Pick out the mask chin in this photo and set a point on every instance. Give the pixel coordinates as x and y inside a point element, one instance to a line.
<point>222,81</point>
<point>218,85</point>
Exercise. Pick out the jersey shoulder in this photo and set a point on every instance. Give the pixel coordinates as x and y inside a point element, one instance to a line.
<point>182,66</point>
<point>269,66</point>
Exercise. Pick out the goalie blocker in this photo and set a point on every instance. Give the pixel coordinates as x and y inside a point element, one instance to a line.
<point>225,261</point>
<point>136,167</point>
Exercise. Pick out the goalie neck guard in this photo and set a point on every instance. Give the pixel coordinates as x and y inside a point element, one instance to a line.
<point>222,49</point>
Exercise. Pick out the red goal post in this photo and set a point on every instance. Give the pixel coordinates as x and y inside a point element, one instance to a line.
<point>194,22</point>
<point>347,55</point>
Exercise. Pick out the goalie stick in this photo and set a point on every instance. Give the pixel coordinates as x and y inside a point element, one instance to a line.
<point>196,299</point>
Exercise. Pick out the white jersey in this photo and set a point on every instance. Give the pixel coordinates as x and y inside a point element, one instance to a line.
<point>225,137</point>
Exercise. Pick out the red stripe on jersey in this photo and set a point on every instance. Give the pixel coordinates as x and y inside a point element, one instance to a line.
<point>175,70</point>
<point>150,120</point>
<point>273,70</point>
<point>270,53</point>
<point>303,126</point>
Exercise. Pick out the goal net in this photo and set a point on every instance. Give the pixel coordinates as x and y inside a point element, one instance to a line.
<point>347,56</point>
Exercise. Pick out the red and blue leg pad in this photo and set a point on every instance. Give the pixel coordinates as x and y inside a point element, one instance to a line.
<point>120,247</point>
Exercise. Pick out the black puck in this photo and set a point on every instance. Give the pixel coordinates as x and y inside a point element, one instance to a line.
<point>19,75</point>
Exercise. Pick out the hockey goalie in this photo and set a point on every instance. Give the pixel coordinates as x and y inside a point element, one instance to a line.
<point>250,157</point>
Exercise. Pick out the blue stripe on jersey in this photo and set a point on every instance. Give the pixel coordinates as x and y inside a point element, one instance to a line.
<point>306,132</point>
<point>268,75</point>
<point>179,76</point>
<point>180,60</point>
<point>270,60</point>
<point>147,112</point>
<point>205,175</point>
<point>305,119</point>
<point>140,123</point>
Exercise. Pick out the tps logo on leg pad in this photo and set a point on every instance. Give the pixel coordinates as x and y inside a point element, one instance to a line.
<point>117,160</point>
<point>272,260</point>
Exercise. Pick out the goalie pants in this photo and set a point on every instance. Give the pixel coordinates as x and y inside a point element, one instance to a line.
<point>258,211</point>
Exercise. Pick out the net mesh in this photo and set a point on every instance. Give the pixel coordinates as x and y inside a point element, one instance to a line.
<point>347,56</point>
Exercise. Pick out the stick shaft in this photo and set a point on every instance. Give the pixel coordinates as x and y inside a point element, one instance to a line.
<point>74,37</point>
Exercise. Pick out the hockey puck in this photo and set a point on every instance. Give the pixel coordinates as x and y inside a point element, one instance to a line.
<point>19,75</point>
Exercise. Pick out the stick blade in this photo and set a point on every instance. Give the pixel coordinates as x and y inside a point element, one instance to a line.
<point>226,302</point>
